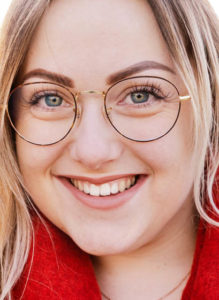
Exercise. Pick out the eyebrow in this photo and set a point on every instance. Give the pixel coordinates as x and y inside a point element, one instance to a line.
<point>54,77</point>
<point>113,78</point>
<point>133,69</point>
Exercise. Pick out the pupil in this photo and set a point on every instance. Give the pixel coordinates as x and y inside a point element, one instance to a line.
<point>53,100</point>
<point>139,97</point>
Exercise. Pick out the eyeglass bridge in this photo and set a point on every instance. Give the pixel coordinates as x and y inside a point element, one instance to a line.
<point>121,114</point>
<point>89,92</point>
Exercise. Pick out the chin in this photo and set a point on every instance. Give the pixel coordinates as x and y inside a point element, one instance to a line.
<point>98,244</point>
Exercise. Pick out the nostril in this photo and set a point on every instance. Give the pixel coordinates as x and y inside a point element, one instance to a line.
<point>93,150</point>
<point>93,142</point>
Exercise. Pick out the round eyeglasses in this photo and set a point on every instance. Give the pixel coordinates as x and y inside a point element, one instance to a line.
<point>141,109</point>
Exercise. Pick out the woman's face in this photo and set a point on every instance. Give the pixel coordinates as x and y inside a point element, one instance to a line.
<point>88,43</point>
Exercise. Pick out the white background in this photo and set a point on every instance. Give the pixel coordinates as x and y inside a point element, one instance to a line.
<point>5,3</point>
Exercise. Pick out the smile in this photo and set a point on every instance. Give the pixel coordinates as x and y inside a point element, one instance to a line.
<point>105,189</point>
<point>104,193</point>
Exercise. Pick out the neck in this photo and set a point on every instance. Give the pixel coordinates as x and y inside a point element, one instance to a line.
<point>150,271</point>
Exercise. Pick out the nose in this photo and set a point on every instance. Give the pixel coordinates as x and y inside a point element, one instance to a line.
<point>94,143</point>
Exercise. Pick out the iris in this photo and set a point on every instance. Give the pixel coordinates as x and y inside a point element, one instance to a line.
<point>139,97</point>
<point>52,100</point>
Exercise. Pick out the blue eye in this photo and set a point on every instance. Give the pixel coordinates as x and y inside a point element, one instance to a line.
<point>139,97</point>
<point>52,100</point>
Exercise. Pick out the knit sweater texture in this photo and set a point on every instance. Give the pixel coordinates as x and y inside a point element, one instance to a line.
<point>58,270</point>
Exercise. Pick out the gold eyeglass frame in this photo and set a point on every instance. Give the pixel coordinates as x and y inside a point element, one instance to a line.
<point>75,96</point>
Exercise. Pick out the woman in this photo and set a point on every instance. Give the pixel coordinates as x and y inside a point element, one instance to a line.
<point>109,148</point>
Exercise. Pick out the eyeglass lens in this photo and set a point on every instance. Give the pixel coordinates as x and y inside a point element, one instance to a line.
<point>140,108</point>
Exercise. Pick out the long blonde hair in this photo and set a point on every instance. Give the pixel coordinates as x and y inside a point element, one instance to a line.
<point>190,29</point>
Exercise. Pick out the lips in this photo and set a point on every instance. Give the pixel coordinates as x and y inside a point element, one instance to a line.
<point>117,190</point>
<point>104,189</point>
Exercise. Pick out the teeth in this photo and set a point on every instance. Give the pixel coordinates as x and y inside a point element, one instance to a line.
<point>80,186</point>
<point>114,188</point>
<point>122,186</point>
<point>86,188</point>
<point>94,190</point>
<point>105,189</point>
<point>128,183</point>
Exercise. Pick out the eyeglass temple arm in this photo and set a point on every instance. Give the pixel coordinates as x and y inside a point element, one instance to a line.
<point>185,98</point>
<point>182,98</point>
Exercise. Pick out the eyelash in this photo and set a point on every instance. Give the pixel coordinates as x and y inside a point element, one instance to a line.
<point>152,90</point>
<point>149,89</point>
<point>35,99</point>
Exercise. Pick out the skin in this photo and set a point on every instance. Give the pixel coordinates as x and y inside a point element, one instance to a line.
<point>150,239</point>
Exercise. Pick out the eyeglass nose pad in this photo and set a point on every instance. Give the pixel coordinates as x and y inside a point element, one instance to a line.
<point>77,112</point>
<point>78,115</point>
<point>108,110</point>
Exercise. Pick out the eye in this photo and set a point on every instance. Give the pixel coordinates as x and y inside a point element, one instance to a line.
<point>139,97</point>
<point>53,100</point>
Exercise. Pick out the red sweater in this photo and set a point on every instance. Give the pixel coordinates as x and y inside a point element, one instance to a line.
<point>61,271</point>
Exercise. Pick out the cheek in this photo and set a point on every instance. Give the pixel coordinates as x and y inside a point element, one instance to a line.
<point>172,156</point>
<point>35,161</point>
<point>165,155</point>
<point>35,164</point>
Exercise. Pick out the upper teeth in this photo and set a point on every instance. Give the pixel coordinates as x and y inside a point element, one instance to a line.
<point>104,189</point>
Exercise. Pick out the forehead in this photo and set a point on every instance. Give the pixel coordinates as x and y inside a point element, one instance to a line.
<point>88,40</point>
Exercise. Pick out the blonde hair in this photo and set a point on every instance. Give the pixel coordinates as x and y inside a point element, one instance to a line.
<point>189,28</point>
